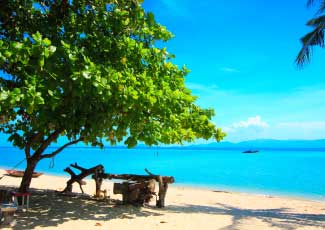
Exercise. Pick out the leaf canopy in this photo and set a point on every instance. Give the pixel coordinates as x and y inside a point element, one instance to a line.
<point>91,69</point>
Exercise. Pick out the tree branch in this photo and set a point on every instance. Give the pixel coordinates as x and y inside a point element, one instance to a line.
<point>147,171</point>
<point>46,143</point>
<point>53,154</point>
<point>29,143</point>
<point>76,166</point>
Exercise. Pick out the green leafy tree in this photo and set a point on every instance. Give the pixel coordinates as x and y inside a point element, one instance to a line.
<point>89,70</point>
<point>315,37</point>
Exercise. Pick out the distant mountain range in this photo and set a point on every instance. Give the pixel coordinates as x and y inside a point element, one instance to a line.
<point>266,144</point>
<point>260,144</point>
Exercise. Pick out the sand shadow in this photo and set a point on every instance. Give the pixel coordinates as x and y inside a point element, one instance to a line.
<point>49,209</point>
<point>282,218</point>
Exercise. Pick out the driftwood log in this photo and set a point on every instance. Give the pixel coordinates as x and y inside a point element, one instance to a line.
<point>79,177</point>
<point>139,189</point>
<point>136,189</point>
<point>135,192</point>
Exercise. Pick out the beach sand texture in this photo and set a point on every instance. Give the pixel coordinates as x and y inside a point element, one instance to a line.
<point>186,208</point>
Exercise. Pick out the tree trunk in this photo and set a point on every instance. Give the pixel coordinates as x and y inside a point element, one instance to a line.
<point>163,186</point>
<point>98,182</point>
<point>27,178</point>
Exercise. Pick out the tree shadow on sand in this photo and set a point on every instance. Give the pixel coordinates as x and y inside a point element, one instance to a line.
<point>282,218</point>
<point>49,209</point>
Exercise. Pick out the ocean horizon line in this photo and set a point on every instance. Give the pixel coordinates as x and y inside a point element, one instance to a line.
<point>192,147</point>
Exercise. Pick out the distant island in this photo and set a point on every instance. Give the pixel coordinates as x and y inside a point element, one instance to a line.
<point>259,144</point>
<point>267,144</point>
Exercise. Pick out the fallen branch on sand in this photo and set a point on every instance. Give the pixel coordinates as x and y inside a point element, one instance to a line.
<point>136,189</point>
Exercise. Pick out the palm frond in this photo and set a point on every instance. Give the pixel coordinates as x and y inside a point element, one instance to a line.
<point>303,56</point>
<point>316,37</point>
<point>317,22</point>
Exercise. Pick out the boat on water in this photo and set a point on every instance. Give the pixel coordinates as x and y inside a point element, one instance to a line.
<point>250,151</point>
<point>19,173</point>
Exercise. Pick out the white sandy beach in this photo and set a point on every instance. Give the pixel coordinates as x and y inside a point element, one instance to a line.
<point>186,208</point>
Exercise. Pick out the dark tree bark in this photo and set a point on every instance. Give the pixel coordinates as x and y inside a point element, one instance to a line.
<point>98,182</point>
<point>27,178</point>
<point>78,178</point>
<point>137,193</point>
<point>34,158</point>
<point>163,186</point>
<point>140,189</point>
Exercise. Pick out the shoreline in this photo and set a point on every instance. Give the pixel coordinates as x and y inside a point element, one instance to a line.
<point>186,208</point>
<point>252,192</point>
<point>210,188</point>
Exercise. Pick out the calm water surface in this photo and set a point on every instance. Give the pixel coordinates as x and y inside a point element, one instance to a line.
<point>294,173</point>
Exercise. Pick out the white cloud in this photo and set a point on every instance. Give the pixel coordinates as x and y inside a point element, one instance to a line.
<point>229,70</point>
<point>251,122</point>
<point>252,128</point>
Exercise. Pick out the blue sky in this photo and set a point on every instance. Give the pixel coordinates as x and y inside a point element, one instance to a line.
<point>241,56</point>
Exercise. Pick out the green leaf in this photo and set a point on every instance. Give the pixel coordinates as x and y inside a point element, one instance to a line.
<point>7,54</point>
<point>72,57</point>
<point>52,49</point>
<point>17,45</point>
<point>151,19</point>
<point>39,100</point>
<point>37,37</point>
<point>46,53</point>
<point>3,95</point>
<point>86,74</point>
<point>126,21</point>
<point>131,142</point>
<point>16,92</point>
<point>103,81</point>
<point>65,45</point>
<point>46,42</point>
<point>41,61</point>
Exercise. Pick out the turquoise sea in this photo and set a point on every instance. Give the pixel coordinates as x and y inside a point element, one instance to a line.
<point>273,172</point>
